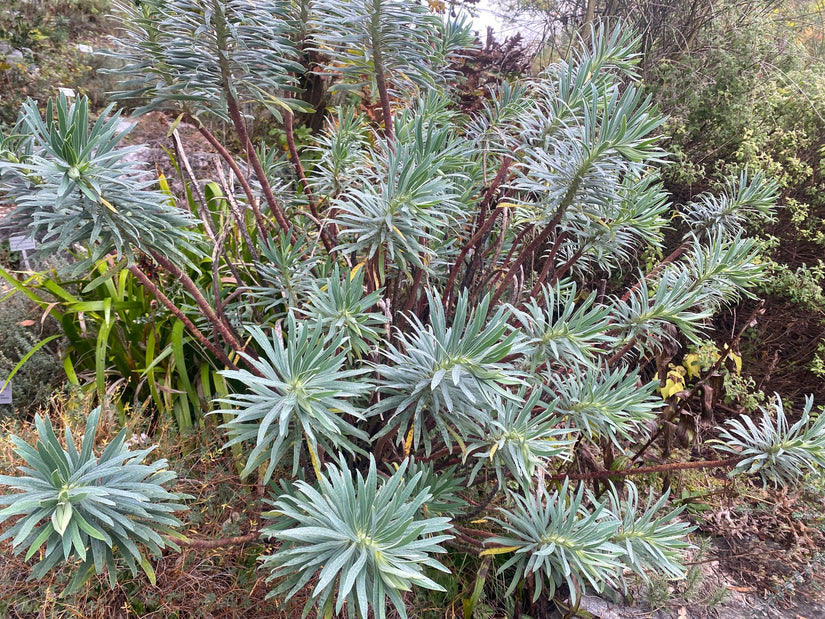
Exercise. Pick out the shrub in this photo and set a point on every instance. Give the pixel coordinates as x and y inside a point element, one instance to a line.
<point>471,237</point>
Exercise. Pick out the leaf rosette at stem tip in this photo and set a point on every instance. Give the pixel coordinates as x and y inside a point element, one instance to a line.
<point>360,539</point>
<point>100,510</point>
<point>73,186</point>
<point>301,393</point>
<point>779,452</point>
<point>444,380</point>
<point>197,54</point>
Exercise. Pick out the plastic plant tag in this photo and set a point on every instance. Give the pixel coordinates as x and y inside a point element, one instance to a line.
<point>21,243</point>
<point>5,394</point>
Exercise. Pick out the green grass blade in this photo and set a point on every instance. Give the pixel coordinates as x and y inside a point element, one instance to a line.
<point>26,357</point>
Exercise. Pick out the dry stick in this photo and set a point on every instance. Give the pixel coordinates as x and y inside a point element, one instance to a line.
<point>235,209</point>
<point>483,229</point>
<point>277,211</point>
<point>203,211</point>
<point>329,242</point>
<point>217,252</point>
<point>250,196</point>
<point>168,304</point>
<point>218,543</point>
<point>201,198</point>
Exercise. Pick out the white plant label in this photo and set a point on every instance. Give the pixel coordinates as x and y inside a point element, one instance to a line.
<point>5,394</point>
<point>21,243</point>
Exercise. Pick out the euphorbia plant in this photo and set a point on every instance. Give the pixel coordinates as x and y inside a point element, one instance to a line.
<point>461,294</point>
<point>102,510</point>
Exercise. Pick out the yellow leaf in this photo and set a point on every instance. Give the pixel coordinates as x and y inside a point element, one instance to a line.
<point>479,521</point>
<point>314,457</point>
<point>691,364</point>
<point>737,360</point>
<point>408,441</point>
<point>671,388</point>
<point>399,233</point>
<point>174,126</point>
<point>355,270</point>
<point>498,551</point>
<point>148,570</point>
<point>507,205</point>
<point>163,183</point>
<point>493,450</point>
<point>107,204</point>
<point>675,382</point>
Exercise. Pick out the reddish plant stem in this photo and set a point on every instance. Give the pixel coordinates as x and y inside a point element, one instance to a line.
<point>484,227</point>
<point>326,238</point>
<point>203,305</point>
<point>644,470</point>
<point>673,256</point>
<point>408,305</point>
<point>503,169</point>
<point>470,545</point>
<point>477,532</point>
<point>490,276</point>
<point>622,352</point>
<point>549,265</point>
<point>168,304</point>
<point>277,211</point>
<point>219,543</point>
<point>381,82</point>
<point>526,253</point>
<point>531,249</point>
<point>562,271</point>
